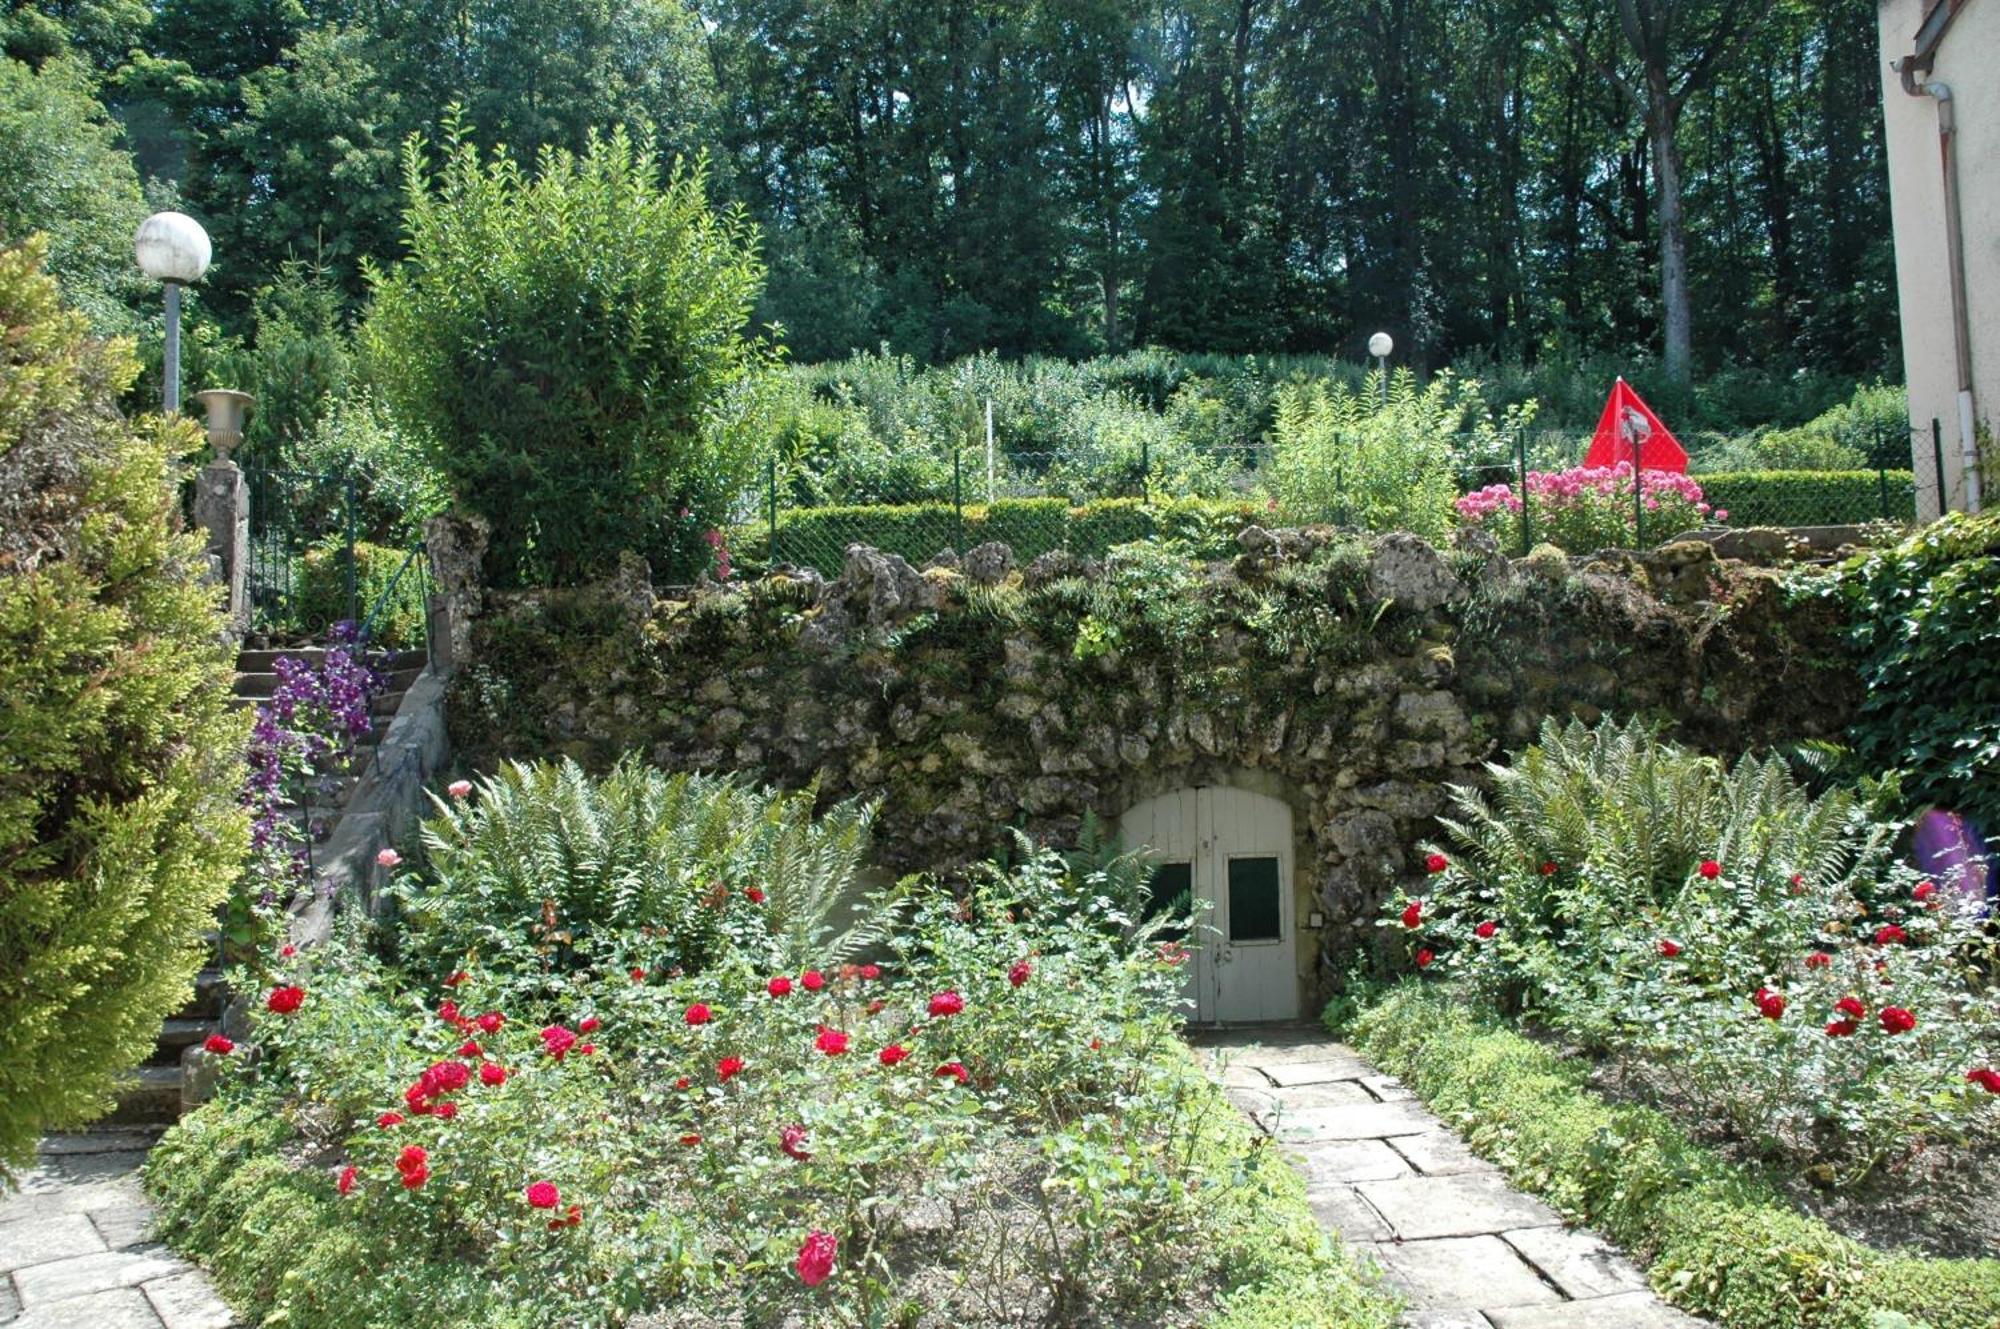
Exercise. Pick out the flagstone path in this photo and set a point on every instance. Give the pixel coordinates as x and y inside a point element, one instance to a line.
<point>1463,1248</point>
<point>77,1250</point>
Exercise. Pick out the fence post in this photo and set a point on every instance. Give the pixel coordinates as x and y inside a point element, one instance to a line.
<point>1882,472</point>
<point>989,449</point>
<point>1521,468</point>
<point>1937,462</point>
<point>957,505</point>
<point>1145,469</point>
<point>1638,499</point>
<point>353,586</point>
<point>771,509</point>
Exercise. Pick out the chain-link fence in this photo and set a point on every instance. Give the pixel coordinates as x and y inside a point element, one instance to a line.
<point>1087,500</point>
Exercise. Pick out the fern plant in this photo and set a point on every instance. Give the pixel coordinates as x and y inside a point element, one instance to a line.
<point>545,871</point>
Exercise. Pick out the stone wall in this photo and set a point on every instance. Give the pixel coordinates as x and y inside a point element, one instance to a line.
<point>1352,677</point>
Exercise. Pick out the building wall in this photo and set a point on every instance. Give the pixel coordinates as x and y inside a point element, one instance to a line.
<point>1969,62</point>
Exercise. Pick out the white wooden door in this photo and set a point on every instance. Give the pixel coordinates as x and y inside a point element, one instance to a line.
<point>1231,849</point>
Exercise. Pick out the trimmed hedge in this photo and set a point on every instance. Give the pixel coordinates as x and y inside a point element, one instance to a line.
<point>1719,1239</point>
<point>818,537</point>
<point>1811,498</point>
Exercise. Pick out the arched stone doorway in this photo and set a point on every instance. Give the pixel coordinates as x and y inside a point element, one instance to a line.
<point>1233,850</point>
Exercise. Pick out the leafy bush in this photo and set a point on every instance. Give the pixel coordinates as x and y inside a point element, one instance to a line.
<point>569,350</point>
<point>1871,428</point>
<point>1757,948</point>
<point>1343,456</point>
<point>1719,1240</point>
<point>1811,498</point>
<point>383,586</point>
<point>548,872</point>
<point>119,758</point>
<point>995,1124</point>
<point>1925,619</point>
<point>1587,508</point>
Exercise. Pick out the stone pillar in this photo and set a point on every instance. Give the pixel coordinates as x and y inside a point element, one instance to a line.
<point>457,546</point>
<point>222,501</point>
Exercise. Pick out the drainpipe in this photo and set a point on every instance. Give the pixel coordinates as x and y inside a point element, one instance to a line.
<point>1961,327</point>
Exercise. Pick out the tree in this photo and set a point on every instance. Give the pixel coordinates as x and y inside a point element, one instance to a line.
<point>1680,46</point>
<point>570,347</point>
<point>63,173</point>
<point>120,757</point>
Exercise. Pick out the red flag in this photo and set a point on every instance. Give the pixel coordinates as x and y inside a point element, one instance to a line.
<point>1627,419</point>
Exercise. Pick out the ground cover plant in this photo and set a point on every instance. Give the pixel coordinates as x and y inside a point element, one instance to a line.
<point>685,1085</point>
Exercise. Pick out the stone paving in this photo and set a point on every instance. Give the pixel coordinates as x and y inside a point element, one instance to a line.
<point>77,1250</point>
<point>1463,1248</point>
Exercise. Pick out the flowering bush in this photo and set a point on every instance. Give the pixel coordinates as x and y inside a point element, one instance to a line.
<point>1757,952</point>
<point>1587,508</point>
<point>993,1119</point>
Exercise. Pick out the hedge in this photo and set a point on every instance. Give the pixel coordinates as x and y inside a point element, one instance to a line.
<point>1719,1239</point>
<point>322,591</point>
<point>818,537</point>
<point>1811,498</point>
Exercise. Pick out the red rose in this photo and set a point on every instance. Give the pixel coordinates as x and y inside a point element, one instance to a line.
<point>388,1119</point>
<point>690,1139</point>
<point>813,980</point>
<point>792,1140</point>
<point>283,1001</point>
<point>1710,869</point>
<point>951,1070</point>
<point>1548,869</point>
<point>413,1163</point>
<point>287,952</point>
<point>1669,947</point>
<point>871,971</point>
<point>1891,935</point>
<point>779,987</point>
<point>450,1075</point>
<point>754,895</point>
<point>875,1007</point>
<point>699,1014</point>
<point>831,1041</point>
<point>1019,973</point>
<point>589,1024</point>
<point>1413,914</point>
<point>1436,863</point>
<point>491,1073</point>
<point>454,979</point>
<point>1840,1029</point>
<point>1986,1078</point>
<point>946,1003</point>
<point>638,975</point>
<point>1798,883</point>
<point>683,1083</point>
<point>218,1045</point>
<point>1924,891</point>
<point>1424,957</point>
<point>557,1040</point>
<point>587,1050</point>
<point>468,1049</point>
<point>815,1263</point>
<point>543,1195</point>
<point>491,1022</point>
<point>1851,1007</point>
<point>728,1068</point>
<point>1486,929</point>
<point>1771,1005</point>
<point>1896,1020</point>
<point>445,1111</point>
<point>892,1054</point>
<point>346,1182</point>
<point>448,1012</point>
<point>1818,960</point>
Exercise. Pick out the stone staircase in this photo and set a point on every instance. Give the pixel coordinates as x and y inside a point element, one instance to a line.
<point>153,1094</point>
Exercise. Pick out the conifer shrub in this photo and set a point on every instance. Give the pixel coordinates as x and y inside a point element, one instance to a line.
<point>119,758</point>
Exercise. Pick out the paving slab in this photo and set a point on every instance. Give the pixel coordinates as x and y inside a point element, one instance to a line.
<point>1355,1121</point>
<point>1627,1310</point>
<point>1337,1207</point>
<point>1348,1160</point>
<point>1459,1273</point>
<point>188,1301</point>
<point>1581,1263</point>
<point>118,1308</point>
<point>1454,1206</point>
<point>1439,1153</point>
<point>1444,1320</point>
<point>83,1275</point>
<point>124,1226</point>
<point>99,1142</point>
<point>1287,1073</point>
<point>1240,1075</point>
<point>1387,1088</point>
<point>10,1305</point>
<point>24,1243</point>
<point>106,1165</point>
<point>71,1197</point>
<point>1336,1093</point>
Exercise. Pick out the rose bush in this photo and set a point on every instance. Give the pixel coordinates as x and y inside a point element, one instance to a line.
<point>1758,954</point>
<point>1587,508</point>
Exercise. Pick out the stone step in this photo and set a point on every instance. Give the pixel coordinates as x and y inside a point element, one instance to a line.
<point>178,1034</point>
<point>210,992</point>
<point>263,662</point>
<point>150,1095</point>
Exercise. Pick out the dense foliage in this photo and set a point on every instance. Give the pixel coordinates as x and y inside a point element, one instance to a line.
<point>1586,508</point>
<point>1758,950</point>
<point>568,347</point>
<point>988,1121</point>
<point>119,756</point>
<point>1720,1240</point>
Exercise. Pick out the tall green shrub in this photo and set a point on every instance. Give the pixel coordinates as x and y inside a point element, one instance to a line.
<point>119,756</point>
<point>570,347</point>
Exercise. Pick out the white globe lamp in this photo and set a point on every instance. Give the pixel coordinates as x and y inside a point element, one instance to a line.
<point>173,250</point>
<point>1379,346</point>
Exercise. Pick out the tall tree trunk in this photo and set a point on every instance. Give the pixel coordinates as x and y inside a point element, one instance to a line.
<point>1676,313</point>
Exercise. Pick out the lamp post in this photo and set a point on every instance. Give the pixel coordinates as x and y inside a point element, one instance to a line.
<point>1379,346</point>
<point>172,249</point>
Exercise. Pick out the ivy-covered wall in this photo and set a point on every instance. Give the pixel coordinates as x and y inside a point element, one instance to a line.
<point>1352,676</point>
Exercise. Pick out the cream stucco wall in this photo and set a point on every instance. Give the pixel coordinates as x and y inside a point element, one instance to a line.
<point>1968,62</point>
